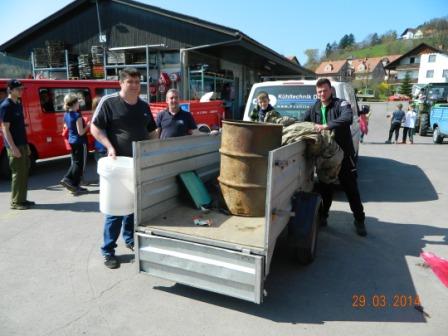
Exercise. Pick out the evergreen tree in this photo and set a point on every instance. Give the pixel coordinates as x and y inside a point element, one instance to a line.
<point>406,86</point>
<point>328,50</point>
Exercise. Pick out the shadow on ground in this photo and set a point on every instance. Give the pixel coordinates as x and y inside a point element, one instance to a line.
<point>348,266</point>
<point>393,181</point>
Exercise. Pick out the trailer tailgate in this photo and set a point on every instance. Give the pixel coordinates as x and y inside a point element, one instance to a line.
<point>233,273</point>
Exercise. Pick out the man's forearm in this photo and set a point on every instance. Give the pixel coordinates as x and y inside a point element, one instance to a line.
<point>8,137</point>
<point>101,136</point>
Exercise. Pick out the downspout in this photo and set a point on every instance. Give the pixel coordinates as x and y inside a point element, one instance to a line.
<point>185,78</point>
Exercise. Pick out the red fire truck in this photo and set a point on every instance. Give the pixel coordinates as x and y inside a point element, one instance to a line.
<point>43,102</point>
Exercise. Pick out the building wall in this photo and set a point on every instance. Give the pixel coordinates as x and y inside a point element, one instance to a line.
<point>438,67</point>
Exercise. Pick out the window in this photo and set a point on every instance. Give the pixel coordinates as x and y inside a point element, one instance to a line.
<point>445,73</point>
<point>289,100</point>
<point>412,60</point>
<point>430,74</point>
<point>52,99</point>
<point>431,58</point>
<point>105,91</point>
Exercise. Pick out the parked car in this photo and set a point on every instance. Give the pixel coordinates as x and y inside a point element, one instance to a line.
<point>439,122</point>
<point>398,97</point>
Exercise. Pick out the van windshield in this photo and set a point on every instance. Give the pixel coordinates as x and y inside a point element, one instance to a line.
<point>288,100</point>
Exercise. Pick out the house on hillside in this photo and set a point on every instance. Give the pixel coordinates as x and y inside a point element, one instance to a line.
<point>433,67</point>
<point>368,70</point>
<point>411,63</point>
<point>335,70</point>
<point>411,33</point>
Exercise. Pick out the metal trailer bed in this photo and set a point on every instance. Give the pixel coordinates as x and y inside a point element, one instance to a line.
<point>233,255</point>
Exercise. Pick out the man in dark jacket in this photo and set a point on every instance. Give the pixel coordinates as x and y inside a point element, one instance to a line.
<point>331,113</point>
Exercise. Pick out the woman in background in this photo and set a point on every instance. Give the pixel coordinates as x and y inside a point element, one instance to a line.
<point>77,139</point>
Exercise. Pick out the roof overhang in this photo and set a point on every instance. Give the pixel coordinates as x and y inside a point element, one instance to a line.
<point>245,52</point>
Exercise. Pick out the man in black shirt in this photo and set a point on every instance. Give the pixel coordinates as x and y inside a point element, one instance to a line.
<point>16,143</point>
<point>174,122</point>
<point>331,113</point>
<point>120,119</point>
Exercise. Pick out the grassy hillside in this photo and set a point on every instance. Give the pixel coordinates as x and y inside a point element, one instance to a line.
<point>397,47</point>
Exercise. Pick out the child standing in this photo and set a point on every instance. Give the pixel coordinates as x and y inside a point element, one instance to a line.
<point>409,124</point>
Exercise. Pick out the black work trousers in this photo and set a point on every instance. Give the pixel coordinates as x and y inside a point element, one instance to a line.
<point>348,180</point>
<point>76,170</point>
<point>394,127</point>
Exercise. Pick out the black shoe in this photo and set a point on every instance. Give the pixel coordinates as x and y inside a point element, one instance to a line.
<point>68,185</point>
<point>29,203</point>
<point>80,190</point>
<point>360,228</point>
<point>130,246</point>
<point>387,142</point>
<point>111,261</point>
<point>17,206</point>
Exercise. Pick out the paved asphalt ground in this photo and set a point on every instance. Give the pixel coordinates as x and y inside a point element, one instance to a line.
<point>53,282</point>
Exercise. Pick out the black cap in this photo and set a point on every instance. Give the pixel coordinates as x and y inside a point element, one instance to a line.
<point>14,84</point>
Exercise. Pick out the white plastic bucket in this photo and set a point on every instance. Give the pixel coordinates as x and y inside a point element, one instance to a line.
<point>116,185</point>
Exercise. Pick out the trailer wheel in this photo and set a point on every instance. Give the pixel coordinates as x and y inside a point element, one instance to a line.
<point>306,255</point>
<point>304,228</point>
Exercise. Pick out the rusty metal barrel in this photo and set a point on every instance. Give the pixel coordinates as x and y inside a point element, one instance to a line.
<point>244,151</point>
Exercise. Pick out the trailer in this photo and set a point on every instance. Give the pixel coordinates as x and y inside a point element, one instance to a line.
<point>233,255</point>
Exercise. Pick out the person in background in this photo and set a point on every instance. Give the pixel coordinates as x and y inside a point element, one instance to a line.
<point>16,143</point>
<point>331,113</point>
<point>173,121</point>
<point>395,123</point>
<point>120,119</point>
<point>100,150</point>
<point>77,138</point>
<point>263,107</point>
<point>364,124</point>
<point>409,124</point>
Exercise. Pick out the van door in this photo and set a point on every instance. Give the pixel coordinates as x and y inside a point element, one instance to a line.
<point>356,132</point>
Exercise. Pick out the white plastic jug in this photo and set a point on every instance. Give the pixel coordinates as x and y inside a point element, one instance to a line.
<point>116,185</point>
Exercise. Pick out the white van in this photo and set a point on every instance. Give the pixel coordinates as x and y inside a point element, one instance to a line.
<point>292,98</point>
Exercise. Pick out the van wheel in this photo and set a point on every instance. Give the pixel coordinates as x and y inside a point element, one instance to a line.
<point>33,158</point>
<point>436,137</point>
<point>5,171</point>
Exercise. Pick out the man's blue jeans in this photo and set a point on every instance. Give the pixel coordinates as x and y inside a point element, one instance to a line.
<point>112,228</point>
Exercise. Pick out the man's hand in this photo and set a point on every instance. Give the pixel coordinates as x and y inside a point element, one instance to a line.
<point>320,128</point>
<point>16,152</point>
<point>111,153</point>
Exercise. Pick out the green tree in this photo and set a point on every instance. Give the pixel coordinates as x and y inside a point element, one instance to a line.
<point>313,58</point>
<point>406,86</point>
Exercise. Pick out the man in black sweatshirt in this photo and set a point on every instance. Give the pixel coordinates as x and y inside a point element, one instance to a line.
<point>331,113</point>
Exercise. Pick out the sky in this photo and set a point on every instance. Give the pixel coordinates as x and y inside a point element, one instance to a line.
<point>286,26</point>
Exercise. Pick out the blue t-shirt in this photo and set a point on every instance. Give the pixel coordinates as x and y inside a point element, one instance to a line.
<point>174,125</point>
<point>398,116</point>
<point>70,118</point>
<point>12,113</point>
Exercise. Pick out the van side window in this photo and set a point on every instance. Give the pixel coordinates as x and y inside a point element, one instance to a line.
<point>105,91</point>
<point>52,99</point>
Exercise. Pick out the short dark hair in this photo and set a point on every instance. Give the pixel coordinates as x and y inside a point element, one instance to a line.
<point>129,72</point>
<point>263,95</point>
<point>323,81</point>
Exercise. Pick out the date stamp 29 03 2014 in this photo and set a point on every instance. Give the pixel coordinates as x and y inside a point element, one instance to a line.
<point>360,301</point>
